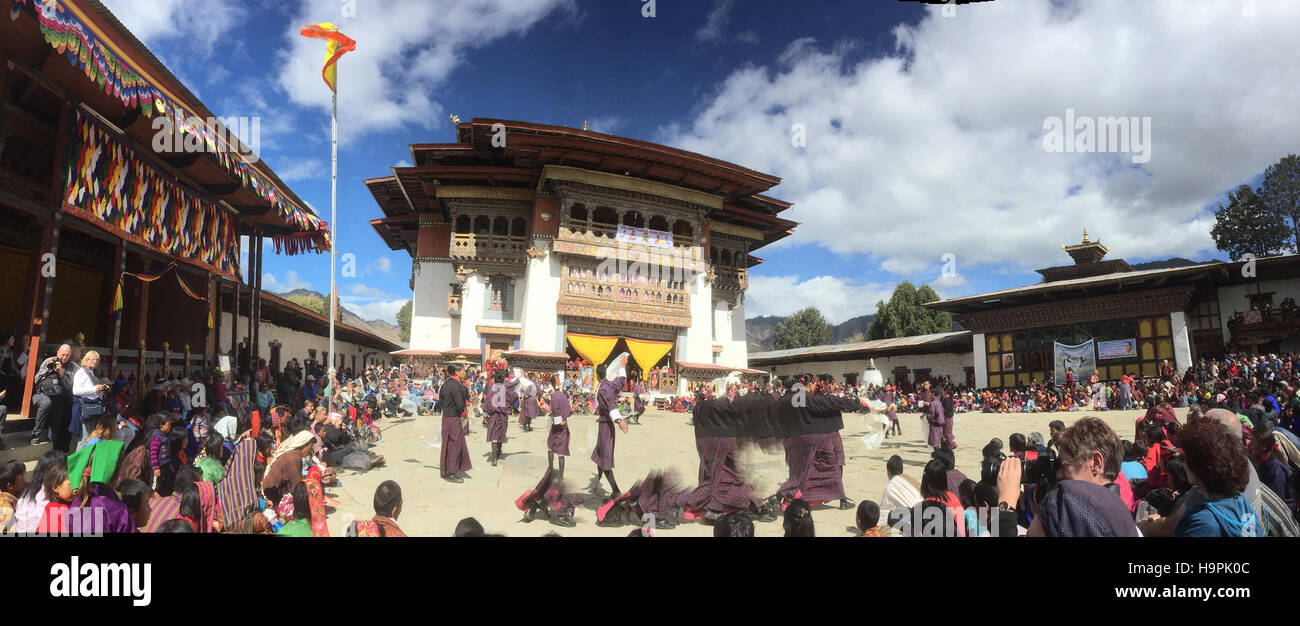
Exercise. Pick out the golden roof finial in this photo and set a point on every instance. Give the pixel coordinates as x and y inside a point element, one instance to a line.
<point>455,119</point>
<point>584,124</point>
<point>1085,234</point>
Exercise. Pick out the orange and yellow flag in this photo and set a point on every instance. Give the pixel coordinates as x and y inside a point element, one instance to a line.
<point>337,44</point>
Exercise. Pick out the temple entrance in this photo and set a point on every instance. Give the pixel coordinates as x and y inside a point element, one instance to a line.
<point>651,362</point>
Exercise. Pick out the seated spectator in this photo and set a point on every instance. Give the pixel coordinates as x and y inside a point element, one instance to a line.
<point>902,491</point>
<point>1216,465</point>
<point>869,520</point>
<point>1080,505</point>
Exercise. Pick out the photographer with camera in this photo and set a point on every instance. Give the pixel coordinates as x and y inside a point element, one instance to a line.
<point>51,393</point>
<point>1085,503</point>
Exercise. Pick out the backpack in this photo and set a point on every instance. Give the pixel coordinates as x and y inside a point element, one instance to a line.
<point>49,383</point>
<point>357,461</point>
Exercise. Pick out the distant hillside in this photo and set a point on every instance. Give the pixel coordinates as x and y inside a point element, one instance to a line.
<point>1169,263</point>
<point>758,330</point>
<point>317,302</point>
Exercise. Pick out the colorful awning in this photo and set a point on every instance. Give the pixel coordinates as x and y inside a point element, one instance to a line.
<point>594,348</point>
<point>647,353</point>
<point>98,54</point>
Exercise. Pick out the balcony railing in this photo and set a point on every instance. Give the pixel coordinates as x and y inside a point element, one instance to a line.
<point>471,246</point>
<point>616,295</point>
<point>604,234</point>
<point>736,279</point>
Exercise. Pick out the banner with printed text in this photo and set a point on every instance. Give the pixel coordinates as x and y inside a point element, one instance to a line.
<point>1119,349</point>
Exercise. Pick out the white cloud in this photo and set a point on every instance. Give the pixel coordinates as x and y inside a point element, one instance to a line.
<point>402,163</point>
<point>608,124</point>
<point>359,289</point>
<point>303,169</point>
<point>838,299</point>
<point>939,146</point>
<point>943,285</point>
<point>199,25</point>
<point>385,310</point>
<point>291,281</point>
<point>404,50</point>
<point>714,23</point>
<point>382,265</point>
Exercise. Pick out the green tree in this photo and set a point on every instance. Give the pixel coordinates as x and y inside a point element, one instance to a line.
<point>1247,226</point>
<point>1280,194</point>
<point>404,321</point>
<point>855,338</point>
<point>803,329</point>
<point>314,302</point>
<point>903,315</point>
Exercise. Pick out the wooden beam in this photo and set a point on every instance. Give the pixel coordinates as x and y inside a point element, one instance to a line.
<point>182,161</point>
<point>223,189</point>
<point>126,119</point>
<point>252,209</point>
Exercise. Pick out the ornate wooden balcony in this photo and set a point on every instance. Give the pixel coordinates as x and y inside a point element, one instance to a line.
<point>489,248</point>
<point>624,302</point>
<point>731,279</point>
<point>596,240</point>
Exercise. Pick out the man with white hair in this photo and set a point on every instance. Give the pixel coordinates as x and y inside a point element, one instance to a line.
<point>47,396</point>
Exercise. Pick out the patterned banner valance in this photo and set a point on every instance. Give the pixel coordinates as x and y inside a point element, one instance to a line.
<point>109,183</point>
<point>70,33</point>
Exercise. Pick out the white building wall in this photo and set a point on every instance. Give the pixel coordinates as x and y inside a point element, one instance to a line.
<point>431,323</point>
<point>735,348</point>
<point>541,290</point>
<point>981,357</point>
<point>939,364</point>
<point>721,331</point>
<point>696,345</point>
<point>473,303</point>
<point>294,344</point>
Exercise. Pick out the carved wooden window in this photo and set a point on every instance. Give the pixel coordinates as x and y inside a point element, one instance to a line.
<point>499,294</point>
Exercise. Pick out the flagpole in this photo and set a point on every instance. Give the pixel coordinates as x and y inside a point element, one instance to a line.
<point>334,221</point>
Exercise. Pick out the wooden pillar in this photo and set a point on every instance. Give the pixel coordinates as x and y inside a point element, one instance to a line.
<point>210,333</point>
<point>55,203</point>
<point>166,360</point>
<point>234,332</point>
<point>140,383</point>
<point>42,320</point>
<point>216,322</point>
<point>255,302</point>
<point>142,328</point>
<point>114,361</point>
<point>4,99</point>
<point>186,367</point>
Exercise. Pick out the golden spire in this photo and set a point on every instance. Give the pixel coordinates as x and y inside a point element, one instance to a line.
<point>455,119</point>
<point>1085,234</point>
<point>584,124</point>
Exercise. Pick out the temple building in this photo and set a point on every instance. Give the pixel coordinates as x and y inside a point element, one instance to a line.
<point>1135,317</point>
<point>903,360</point>
<point>1121,318</point>
<point>536,244</point>
<point>92,205</point>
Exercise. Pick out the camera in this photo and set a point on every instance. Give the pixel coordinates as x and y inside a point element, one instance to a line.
<point>1041,470</point>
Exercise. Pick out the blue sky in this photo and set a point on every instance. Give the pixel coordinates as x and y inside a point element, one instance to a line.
<point>924,129</point>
